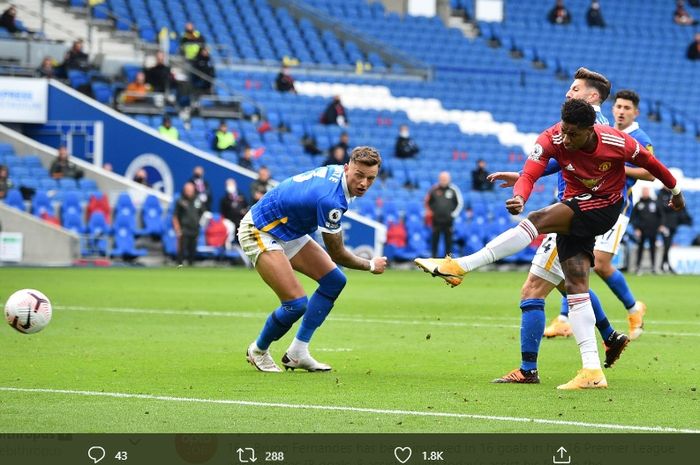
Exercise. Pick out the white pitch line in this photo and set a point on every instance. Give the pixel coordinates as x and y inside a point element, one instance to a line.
<point>542,421</point>
<point>153,311</point>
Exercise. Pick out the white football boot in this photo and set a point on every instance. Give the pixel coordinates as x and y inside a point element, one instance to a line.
<point>304,362</point>
<point>261,359</point>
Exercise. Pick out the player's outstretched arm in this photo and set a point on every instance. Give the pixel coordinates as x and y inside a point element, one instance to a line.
<point>342,256</point>
<point>509,178</point>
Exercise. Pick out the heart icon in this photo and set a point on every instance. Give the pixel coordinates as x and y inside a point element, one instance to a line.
<point>402,454</point>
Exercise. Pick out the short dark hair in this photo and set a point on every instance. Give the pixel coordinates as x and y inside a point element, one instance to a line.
<point>579,112</point>
<point>595,80</point>
<point>368,156</point>
<point>630,95</point>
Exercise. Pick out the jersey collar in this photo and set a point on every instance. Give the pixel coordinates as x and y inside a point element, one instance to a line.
<point>596,108</point>
<point>631,128</point>
<point>344,182</point>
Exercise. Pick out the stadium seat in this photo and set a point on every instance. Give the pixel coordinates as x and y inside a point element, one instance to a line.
<point>151,216</point>
<point>125,244</point>
<point>98,232</point>
<point>14,199</point>
<point>42,204</point>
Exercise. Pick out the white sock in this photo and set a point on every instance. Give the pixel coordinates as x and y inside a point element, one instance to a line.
<point>507,243</point>
<point>298,348</point>
<point>563,318</point>
<point>634,308</point>
<point>582,321</point>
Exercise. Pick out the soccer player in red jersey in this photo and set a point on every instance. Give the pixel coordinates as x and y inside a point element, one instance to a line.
<point>592,158</point>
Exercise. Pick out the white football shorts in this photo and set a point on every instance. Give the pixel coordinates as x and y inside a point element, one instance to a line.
<point>254,242</point>
<point>545,263</point>
<point>610,241</point>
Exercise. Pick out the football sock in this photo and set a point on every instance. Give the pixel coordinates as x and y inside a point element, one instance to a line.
<point>321,303</point>
<point>532,323</point>
<point>617,283</point>
<point>582,322</point>
<point>279,321</point>
<point>298,348</point>
<point>564,311</point>
<point>505,244</point>
<point>601,320</point>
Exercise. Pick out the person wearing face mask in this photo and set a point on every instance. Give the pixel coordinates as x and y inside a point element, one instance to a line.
<point>405,148</point>
<point>201,187</point>
<point>233,205</point>
<point>141,177</point>
<point>284,81</point>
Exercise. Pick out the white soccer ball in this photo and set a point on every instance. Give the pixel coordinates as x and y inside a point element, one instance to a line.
<point>28,311</point>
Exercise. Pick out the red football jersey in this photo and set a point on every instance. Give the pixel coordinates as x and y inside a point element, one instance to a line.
<point>600,174</point>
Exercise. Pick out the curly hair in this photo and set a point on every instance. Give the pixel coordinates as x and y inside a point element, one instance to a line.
<point>578,112</point>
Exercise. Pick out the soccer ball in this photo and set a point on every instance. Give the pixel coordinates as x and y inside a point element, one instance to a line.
<point>28,311</point>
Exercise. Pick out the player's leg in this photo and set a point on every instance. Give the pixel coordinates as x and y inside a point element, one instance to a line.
<point>273,266</point>
<point>435,239</point>
<point>606,246</point>
<point>448,239</point>
<point>576,268</point>
<point>313,261</point>
<point>652,252</point>
<point>554,218</point>
<point>532,320</point>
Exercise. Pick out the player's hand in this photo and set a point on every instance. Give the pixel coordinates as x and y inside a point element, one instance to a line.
<point>677,202</point>
<point>379,264</point>
<point>509,178</point>
<point>515,205</point>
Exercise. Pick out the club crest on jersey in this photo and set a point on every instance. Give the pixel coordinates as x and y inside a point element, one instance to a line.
<point>605,166</point>
<point>334,215</point>
<point>536,153</point>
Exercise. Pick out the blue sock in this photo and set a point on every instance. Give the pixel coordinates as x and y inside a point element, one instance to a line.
<point>564,311</point>
<point>617,283</point>
<point>279,321</point>
<point>532,323</point>
<point>601,320</point>
<point>321,303</point>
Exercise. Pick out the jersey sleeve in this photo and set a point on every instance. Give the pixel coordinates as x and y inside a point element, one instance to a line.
<point>640,156</point>
<point>329,216</point>
<point>535,166</point>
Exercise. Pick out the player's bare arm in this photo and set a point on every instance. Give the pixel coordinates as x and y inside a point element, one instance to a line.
<point>509,178</point>
<point>342,256</point>
<point>638,173</point>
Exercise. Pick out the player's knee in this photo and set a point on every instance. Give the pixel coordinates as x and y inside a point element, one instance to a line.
<point>603,268</point>
<point>332,284</point>
<point>297,307</point>
<point>534,287</point>
<point>536,218</point>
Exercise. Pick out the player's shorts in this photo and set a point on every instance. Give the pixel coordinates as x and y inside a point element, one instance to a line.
<point>254,242</point>
<point>545,263</point>
<point>586,224</point>
<point>610,241</point>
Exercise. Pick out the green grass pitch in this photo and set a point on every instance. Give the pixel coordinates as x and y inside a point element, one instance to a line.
<point>162,350</point>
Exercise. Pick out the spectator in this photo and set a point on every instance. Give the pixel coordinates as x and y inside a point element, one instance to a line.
<point>693,52</point>
<point>63,168</point>
<point>559,14</point>
<point>284,81</point>
<point>224,139</point>
<point>166,129</point>
<point>343,143</point>
<point>137,90</point>
<point>246,160</point>
<point>479,181</point>
<point>201,187</point>
<point>336,157</point>
<point>108,167</point>
<point>308,142</point>
<point>594,17</point>
<point>188,211</point>
<point>141,177</point>
<point>260,186</point>
<point>159,76</point>
<point>46,69</point>
<point>646,219</point>
<point>405,147</point>
<point>204,72</point>
<point>75,58</point>
<point>8,20</point>
<point>670,221</point>
<point>5,182</point>
<point>335,113</point>
<point>443,205</point>
<point>191,42</point>
<point>681,15</point>
<point>233,205</point>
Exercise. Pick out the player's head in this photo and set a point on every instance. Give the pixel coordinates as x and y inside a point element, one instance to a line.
<point>590,86</point>
<point>577,120</point>
<point>626,108</point>
<point>362,169</point>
